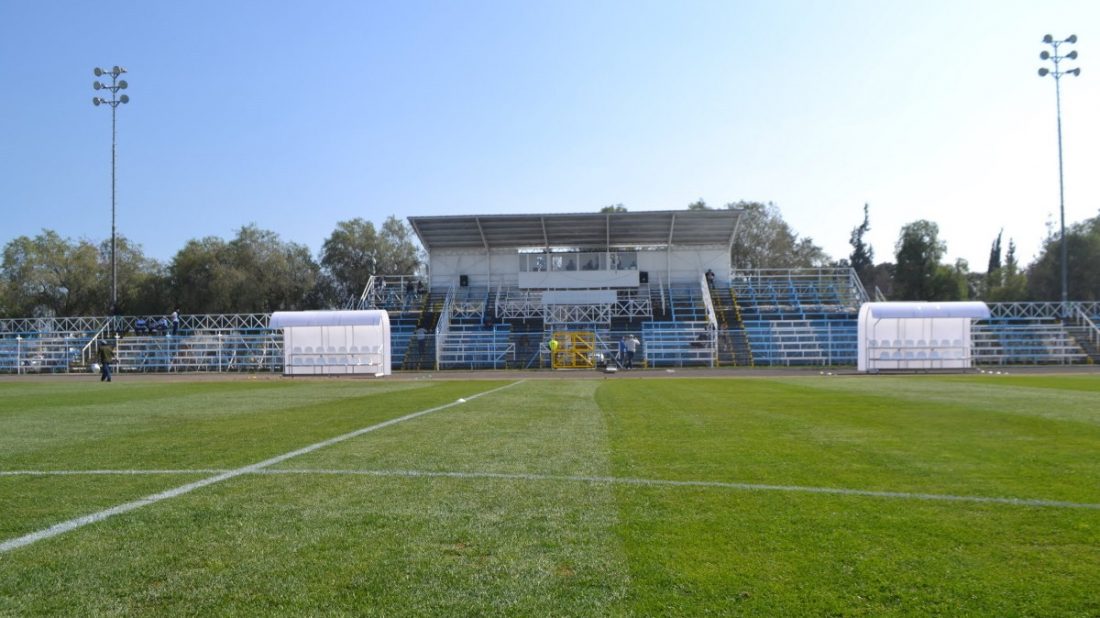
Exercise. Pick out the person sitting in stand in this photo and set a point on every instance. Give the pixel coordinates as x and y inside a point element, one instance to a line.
<point>140,326</point>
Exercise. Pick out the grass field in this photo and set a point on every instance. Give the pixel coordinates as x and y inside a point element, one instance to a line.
<point>791,496</point>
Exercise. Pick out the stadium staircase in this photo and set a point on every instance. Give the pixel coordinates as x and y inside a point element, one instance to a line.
<point>733,345</point>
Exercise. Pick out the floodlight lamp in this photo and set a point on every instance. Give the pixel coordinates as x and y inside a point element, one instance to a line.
<point>1072,55</point>
<point>1076,72</point>
<point>124,98</point>
<point>1072,38</point>
<point>96,101</point>
<point>1048,39</point>
<point>98,71</point>
<point>1043,72</point>
<point>122,84</point>
<point>1044,55</point>
<point>116,70</point>
<point>97,85</point>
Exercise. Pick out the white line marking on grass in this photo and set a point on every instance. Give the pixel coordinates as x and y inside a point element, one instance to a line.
<point>715,484</point>
<point>78,522</point>
<point>106,472</point>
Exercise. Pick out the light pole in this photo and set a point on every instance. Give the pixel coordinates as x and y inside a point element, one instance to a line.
<point>116,85</point>
<point>1057,73</point>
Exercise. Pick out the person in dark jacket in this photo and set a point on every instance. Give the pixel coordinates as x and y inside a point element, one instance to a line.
<point>106,358</point>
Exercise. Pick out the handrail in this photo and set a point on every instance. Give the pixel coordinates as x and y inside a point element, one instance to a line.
<point>443,324</point>
<point>712,319</point>
<point>368,291</point>
<point>855,282</point>
<point>85,352</point>
<point>1083,319</point>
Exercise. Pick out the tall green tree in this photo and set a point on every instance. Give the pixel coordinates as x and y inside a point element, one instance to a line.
<point>765,240</point>
<point>918,274</point>
<point>255,272</point>
<point>48,275</point>
<point>613,208</point>
<point>355,251</point>
<point>994,276</point>
<point>995,253</point>
<point>350,256</point>
<point>144,286</point>
<point>862,258</point>
<point>1012,282</point>
<point>398,252</point>
<point>1044,275</point>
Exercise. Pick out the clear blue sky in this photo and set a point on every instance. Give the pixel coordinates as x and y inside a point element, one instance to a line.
<point>297,115</point>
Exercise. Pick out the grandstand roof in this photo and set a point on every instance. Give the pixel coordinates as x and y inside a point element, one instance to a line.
<point>615,229</point>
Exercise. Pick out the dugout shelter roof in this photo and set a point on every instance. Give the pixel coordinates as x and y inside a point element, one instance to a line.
<point>585,230</point>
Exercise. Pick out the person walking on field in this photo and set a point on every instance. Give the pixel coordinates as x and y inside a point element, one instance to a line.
<point>631,348</point>
<point>106,357</point>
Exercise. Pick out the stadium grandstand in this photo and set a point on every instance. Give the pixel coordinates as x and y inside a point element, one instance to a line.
<point>498,288</point>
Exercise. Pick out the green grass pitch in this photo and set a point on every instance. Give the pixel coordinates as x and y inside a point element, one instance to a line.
<point>805,495</point>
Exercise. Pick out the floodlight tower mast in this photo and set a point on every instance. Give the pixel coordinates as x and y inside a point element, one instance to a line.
<point>115,85</point>
<point>1057,74</point>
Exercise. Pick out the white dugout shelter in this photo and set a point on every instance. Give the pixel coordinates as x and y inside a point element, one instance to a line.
<point>916,336</point>
<point>335,342</point>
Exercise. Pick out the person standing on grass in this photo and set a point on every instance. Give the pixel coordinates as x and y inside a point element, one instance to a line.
<point>631,348</point>
<point>106,357</point>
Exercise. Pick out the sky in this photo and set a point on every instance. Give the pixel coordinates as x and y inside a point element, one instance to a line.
<point>294,116</point>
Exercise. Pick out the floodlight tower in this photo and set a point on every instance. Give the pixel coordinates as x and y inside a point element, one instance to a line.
<point>1057,73</point>
<point>115,85</point>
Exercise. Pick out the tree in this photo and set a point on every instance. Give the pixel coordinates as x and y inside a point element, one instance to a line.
<point>613,208</point>
<point>764,240</point>
<point>995,254</point>
<point>256,272</point>
<point>398,253</point>
<point>862,258</point>
<point>1044,275</point>
<point>52,276</point>
<point>350,256</point>
<point>918,273</point>
<point>993,274</point>
<point>698,205</point>
<point>144,286</point>
<point>355,251</point>
<point>1012,285</point>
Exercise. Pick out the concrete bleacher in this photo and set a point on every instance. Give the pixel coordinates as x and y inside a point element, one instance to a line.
<point>763,318</point>
<point>799,317</point>
<point>1035,334</point>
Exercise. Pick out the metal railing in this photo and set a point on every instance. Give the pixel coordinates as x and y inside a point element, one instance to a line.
<point>679,344</point>
<point>1083,320</point>
<point>803,342</point>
